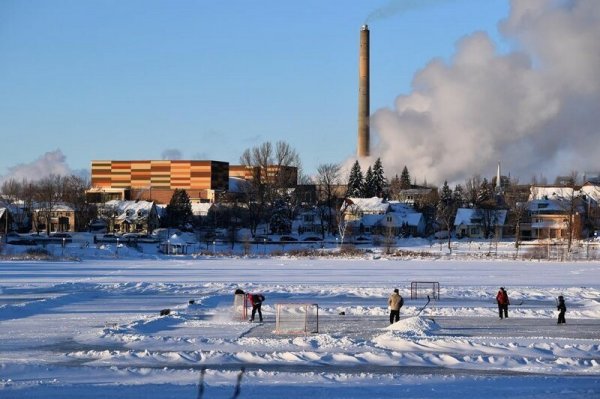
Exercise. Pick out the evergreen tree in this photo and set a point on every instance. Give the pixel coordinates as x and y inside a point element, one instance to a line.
<point>458,195</point>
<point>405,179</point>
<point>485,195</point>
<point>355,181</point>
<point>179,209</point>
<point>280,221</point>
<point>446,196</point>
<point>446,210</point>
<point>369,186</point>
<point>378,179</point>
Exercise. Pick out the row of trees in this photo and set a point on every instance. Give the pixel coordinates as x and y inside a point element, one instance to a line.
<point>267,199</point>
<point>45,194</point>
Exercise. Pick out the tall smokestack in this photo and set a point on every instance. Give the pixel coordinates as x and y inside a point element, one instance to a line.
<point>363,147</point>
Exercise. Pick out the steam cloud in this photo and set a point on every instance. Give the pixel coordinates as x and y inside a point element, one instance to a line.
<point>171,154</point>
<point>51,163</point>
<point>397,7</point>
<point>537,110</point>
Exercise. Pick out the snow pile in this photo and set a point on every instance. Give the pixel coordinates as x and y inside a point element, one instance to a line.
<point>415,325</point>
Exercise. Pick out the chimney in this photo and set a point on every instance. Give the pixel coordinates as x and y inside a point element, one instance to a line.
<point>363,148</point>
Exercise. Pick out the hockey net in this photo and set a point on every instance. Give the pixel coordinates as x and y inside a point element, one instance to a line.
<point>296,318</point>
<point>240,307</point>
<point>423,289</point>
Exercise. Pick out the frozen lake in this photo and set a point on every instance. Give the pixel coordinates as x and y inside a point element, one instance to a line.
<point>93,329</point>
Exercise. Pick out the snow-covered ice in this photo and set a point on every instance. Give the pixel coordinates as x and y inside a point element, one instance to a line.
<point>92,329</point>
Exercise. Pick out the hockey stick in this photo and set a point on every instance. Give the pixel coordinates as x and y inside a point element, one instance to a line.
<point>428,300</point>
<point>201,383</point>
<point>237,390</point>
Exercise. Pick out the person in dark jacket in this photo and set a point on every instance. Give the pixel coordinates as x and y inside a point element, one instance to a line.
<point>395,302</point>
<point>562,309</point>
<point>256,301</point>
<point>503,302</point>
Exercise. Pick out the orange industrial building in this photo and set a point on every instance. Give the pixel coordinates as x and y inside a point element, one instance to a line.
<point>156,180</point>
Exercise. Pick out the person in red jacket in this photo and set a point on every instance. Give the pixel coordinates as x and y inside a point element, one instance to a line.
<point>256,301</point>
<point>503,302</point>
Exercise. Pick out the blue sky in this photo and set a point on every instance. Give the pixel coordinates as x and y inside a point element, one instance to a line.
<point>130,79</point>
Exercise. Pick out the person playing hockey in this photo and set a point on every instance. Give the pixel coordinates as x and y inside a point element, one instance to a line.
<point>256,301</point>
<point>503,302</point>
<point>395,302</point>
<point>562,309</point>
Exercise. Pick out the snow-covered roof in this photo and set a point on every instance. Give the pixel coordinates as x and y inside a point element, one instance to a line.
<point>592,191</point>
<point>131,211</point>
<point>401,207</point>
<point>368,205</point>
<point>2,211</point>
<point>55,208</point>
<point>470,217</point>
<point>546,205</point>
<point>62,208</point>
<point>550,192</point>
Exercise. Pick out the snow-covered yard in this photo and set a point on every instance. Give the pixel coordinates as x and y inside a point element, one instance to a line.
<point>92,329</point>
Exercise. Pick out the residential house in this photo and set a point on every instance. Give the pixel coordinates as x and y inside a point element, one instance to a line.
<point>308,221</point>
<point>552,207</point>
<point>417,195</point>
<point>473,223</point>
<point>373,215</point>
<point>550,219</point>
<point>60,217</point>
<point>356,208</point>
<point>131,216</point>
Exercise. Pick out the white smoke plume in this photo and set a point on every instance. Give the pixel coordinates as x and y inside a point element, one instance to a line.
<point>172,154</point>
<point>51,163</point>
<point>395,7</point>
<point>537,110</point>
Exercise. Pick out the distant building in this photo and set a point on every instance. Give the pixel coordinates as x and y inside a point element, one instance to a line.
<point>473,223</point>
<point>156,180</point>
<point>550,218</point>
<point>283,176</point>
<point>130,216</point>
<point>376,216</point>
<point>416,195</point>
<point>61,219</point>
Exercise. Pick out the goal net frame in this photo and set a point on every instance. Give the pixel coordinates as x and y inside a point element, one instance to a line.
<point>240,307</point>
<point>425,288</point>
<point>296,318</point>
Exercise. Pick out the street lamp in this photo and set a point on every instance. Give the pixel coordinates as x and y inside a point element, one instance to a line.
<point>63,247</point>
<point>264,246</point>
<point>214,243</point>
<point>117,250</point>
<point>168,247</point>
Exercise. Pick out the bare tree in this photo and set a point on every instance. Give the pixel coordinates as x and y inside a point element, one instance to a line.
<point>47,196</point>
<point>471,191</point>
<point>274,169</point>
<point>572,207</point>
<point>328,177</point>
<point>73,194</point>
